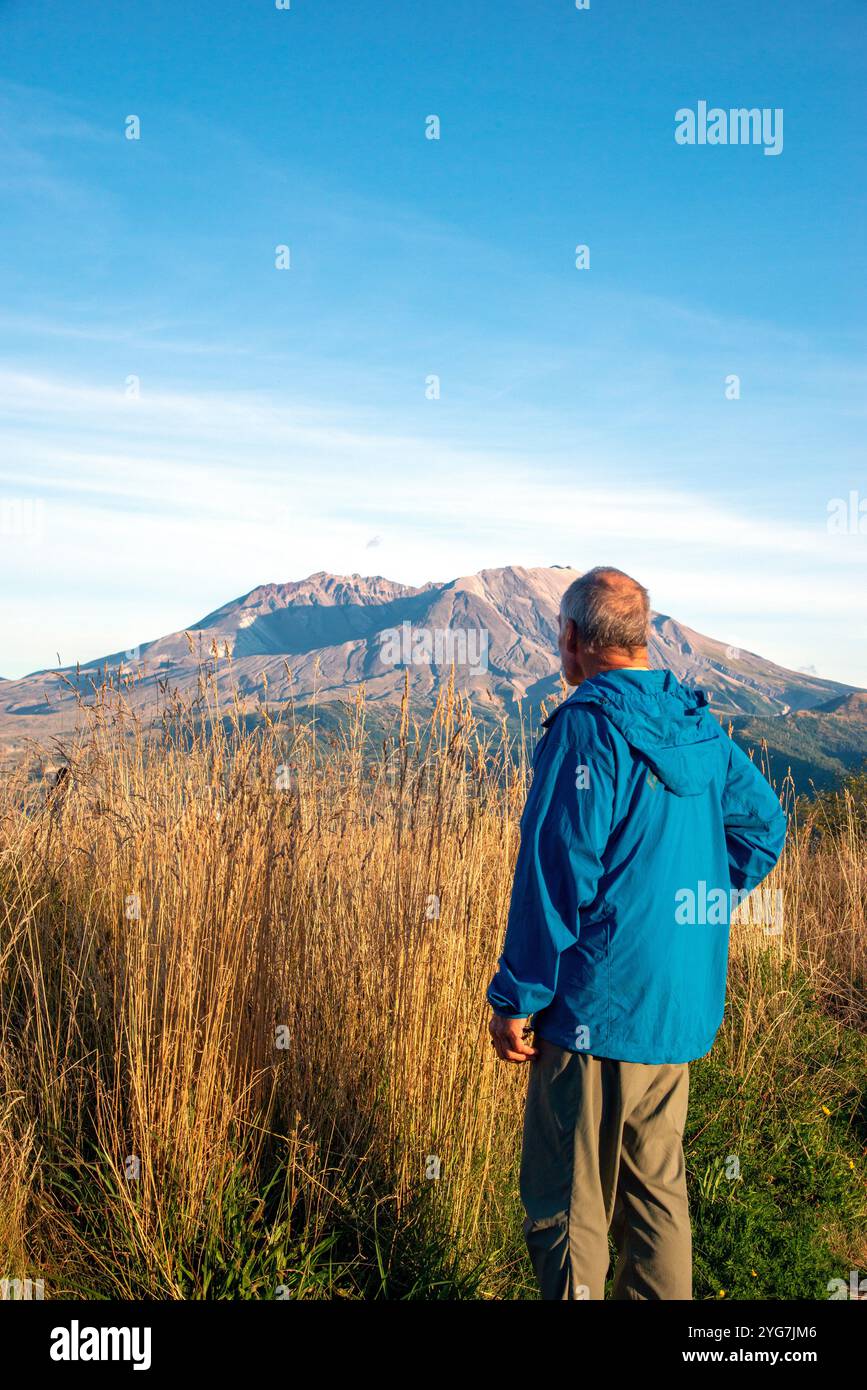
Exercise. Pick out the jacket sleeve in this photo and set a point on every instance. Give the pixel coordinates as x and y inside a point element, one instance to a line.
<point>564,831</point>
<point>755,823</point>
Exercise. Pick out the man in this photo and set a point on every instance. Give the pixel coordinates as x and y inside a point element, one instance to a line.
<point>644,822</point>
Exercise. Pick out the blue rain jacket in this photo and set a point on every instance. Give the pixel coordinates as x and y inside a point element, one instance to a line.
<point>643,825</point>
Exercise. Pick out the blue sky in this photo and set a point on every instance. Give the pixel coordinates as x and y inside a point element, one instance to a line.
<point>282,424</point>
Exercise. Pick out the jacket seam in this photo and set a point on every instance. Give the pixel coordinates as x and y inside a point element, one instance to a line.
<point>608,965</point>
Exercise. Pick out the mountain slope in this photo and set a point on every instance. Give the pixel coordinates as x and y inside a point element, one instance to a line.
<point>820,745</point>
<point>324,635</point>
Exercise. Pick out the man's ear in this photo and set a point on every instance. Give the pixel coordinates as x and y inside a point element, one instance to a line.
<point>570,634</point>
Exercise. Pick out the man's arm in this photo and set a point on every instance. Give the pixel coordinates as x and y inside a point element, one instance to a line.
<point>564,831</point>
<point>755,823</point>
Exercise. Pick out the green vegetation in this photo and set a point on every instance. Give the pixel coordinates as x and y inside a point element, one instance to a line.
<point>243,1048</point>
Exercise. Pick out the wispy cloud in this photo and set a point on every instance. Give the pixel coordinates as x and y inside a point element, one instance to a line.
<point>85,438</point>
<point>282,427</point>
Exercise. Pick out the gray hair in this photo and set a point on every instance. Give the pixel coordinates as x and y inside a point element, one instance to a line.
<point>608,608</point>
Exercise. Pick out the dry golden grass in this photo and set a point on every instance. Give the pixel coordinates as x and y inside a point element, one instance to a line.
<point>242,956</point>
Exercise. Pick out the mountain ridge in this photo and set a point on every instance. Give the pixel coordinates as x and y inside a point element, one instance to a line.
<point>324,635</point>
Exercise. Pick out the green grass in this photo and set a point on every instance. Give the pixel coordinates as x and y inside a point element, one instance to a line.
<point>772,1232</point>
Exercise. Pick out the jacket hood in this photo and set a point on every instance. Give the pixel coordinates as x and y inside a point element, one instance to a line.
<point>668,724</point>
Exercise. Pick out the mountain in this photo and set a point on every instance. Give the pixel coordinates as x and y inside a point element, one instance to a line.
<point>325,635</point>
<point>819,745</point>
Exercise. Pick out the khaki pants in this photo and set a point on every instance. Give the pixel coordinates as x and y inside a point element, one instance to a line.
<point>603,1148</point>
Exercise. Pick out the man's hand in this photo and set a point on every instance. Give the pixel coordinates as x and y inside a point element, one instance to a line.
<point>508,1037</point>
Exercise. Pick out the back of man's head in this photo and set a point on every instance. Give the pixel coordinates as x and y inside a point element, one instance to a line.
<point>611,611</point>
